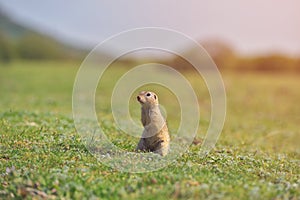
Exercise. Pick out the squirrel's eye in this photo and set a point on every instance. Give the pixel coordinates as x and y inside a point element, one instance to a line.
<point>148,94</point>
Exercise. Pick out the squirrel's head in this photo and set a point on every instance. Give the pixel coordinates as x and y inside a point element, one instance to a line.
<point>147,98</point>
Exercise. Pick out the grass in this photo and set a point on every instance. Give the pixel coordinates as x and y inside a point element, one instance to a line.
<point>42,156</point>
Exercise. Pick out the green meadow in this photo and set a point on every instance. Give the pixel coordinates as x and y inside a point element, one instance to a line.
<point>41,155</point>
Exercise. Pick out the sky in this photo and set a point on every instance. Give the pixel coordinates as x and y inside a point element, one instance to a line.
<point>251,27</point>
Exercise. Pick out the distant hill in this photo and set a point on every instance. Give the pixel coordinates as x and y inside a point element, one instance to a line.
<point>20,42</point>
<point>11,28</point>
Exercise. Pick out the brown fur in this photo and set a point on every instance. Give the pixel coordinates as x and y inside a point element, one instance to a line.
<point>155,137</point>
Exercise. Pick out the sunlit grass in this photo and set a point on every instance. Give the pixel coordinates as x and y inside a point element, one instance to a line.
<point>257,155</point>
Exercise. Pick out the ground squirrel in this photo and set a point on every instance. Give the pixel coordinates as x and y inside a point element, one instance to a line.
<point>155,137</point>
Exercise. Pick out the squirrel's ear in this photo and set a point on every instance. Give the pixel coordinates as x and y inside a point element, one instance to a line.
<point>155,97</point>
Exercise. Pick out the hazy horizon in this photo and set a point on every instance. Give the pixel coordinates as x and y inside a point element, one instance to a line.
<point>250,27</point>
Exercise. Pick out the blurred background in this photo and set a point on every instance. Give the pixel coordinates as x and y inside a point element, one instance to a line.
<point>255,44</point>
<point>252,35</point>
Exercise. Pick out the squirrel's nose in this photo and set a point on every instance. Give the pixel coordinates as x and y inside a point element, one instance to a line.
<point>138,98</point>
